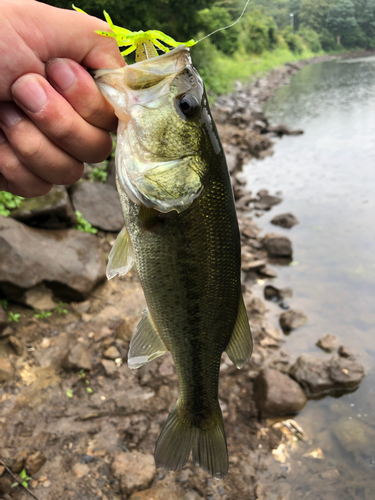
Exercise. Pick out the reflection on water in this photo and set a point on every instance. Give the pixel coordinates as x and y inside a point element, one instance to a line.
<point>327,178</point>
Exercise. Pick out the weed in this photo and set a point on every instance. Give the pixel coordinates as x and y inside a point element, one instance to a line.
<point>42,314</point>
<point>13,317</point>
<point>83,225</point>
<point>25,479</point>
<point>60,308</point>
<point>8,202</point>
<point>4,303</point>
<point>69,393</point>
<point>99,173</point>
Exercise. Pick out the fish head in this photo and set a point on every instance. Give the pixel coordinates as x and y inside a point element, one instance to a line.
<point>163,140</point>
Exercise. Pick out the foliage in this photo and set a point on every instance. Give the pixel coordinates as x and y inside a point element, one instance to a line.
<point>340,18</point>
<point>42,314</point>
<point>259,32</point>
<point>215,18</point>
<point>293,41</point>
<point>327,40</point>
<point>83,225</point>
<point>4,303</point>
<point>311,38</point>
<point>60,308</point>
<point>313,13</point>
<point>25,479</point>
<point>69,393</point>
<point>15,317</point>
<point>8,202</point>
<point>99,172</point>
<point>366,18</point>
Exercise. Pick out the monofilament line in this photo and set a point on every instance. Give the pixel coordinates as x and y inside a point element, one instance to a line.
<point>229,25</point>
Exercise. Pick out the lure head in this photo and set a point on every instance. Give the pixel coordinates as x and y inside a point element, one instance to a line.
<point>163,142</point>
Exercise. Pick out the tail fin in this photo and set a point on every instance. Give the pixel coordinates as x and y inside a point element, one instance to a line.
<point>180,436</point>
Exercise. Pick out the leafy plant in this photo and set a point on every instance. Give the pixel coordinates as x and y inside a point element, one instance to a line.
<point>83,225</point>
<point>69,393</point>
<point>43,314</point>
<point>4,303</point>
<point>25,479</point>
<point>60,309</point>
<point>15,317</point>
<point>8,202</point>
<point>99,173</point>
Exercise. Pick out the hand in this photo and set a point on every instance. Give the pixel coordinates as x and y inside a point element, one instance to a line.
<point>52,116</point>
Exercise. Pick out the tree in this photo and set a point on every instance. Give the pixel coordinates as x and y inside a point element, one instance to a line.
<point>259,32</point>
<point>367,19</point>
<point>313,13</point>
<point>340,18</point>
<point>217,17</point>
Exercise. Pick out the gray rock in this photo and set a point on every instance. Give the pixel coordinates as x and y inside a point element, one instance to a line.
<point>68,261</point>
<point>112,353</point>
<point>343,351</point>
<point>51,211</point>
<point>277,394</point>
<point>268,272</point>
<point>275,294</point>
<point>292,319</point>
<point>318,376</point>
<point>110,367</point>
<point>267,200</point>
<point>6,370</point>
<point>328,343</point>
<point>277,245</point>
<point>285,220</point>
<point>40,297</point>
<point>77,358</point>
<point>134,470</point>
<point>3,318</point>
<point>99,204</point>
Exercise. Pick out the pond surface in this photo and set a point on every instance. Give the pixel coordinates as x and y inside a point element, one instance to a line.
<point>327,180</point>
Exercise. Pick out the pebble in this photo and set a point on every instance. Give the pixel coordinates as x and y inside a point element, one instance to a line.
<point>16,345</point>
<point>77,358</point>
<point>292,319</point>
<point>112,353</point>
<point>135,471</point>
<point>6,370</point>
<point>34,462</point>
<point>328,343</point>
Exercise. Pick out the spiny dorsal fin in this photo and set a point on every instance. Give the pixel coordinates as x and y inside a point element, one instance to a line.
<point>145,344</point>
<point>121,257</point>
<point>240,345</point>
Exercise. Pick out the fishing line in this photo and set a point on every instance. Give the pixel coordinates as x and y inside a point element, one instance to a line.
<point>226,27</point>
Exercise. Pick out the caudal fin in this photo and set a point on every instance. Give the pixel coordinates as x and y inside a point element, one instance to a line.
<point>207,442</point>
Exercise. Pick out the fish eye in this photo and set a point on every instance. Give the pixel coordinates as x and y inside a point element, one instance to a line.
<point>188,104</point>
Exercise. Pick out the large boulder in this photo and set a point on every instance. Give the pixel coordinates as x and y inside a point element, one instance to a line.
<point>318,376</point>
<point>99,204</point>
<point>51,211</point>
<point>68,261</point>
<point>277,394</point>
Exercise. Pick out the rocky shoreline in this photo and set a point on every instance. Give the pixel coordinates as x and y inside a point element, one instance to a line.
<point>74,417</point>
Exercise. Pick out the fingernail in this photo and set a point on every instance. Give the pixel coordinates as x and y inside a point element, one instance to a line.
<point>29,93</point>
<point>10,114</point>
<point>60,74</point>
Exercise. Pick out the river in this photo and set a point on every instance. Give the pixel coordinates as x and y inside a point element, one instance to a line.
<point>327,180</point>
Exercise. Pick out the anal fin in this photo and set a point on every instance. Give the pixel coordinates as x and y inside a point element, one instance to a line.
<point>240,346</point>
<point>121,257</point>
<point>145,344</point>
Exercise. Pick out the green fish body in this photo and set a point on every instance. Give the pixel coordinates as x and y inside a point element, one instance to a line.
<point>181,232</point>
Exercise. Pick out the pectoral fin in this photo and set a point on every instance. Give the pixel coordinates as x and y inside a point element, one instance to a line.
<point>121,257</point>
<point>240,345</point>
<point>145,344</point>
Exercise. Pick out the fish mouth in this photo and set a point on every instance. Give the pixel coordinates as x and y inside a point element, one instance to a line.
<point>150,174</point>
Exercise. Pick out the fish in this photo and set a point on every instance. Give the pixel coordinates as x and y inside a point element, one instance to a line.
<point>181,233</point>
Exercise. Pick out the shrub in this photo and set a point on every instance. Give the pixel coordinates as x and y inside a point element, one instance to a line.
<point>311,38</point>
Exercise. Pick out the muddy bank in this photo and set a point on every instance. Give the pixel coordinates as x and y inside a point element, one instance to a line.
<point>83,426</point>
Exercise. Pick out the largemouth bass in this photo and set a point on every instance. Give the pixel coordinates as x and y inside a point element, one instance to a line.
<point>181,232</point>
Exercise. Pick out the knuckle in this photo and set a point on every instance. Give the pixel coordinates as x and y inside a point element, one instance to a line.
<point>30,149</point>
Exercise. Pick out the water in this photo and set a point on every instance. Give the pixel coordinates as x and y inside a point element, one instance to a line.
<point>327,179</point>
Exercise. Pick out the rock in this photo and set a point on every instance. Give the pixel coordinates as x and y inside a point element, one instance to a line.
<point>110,367</point>
<point>39,297</point>
<point>3,318</point>
<point>69,261</point>
<point>256,307</point>
<point>328,343</point>
<point>8,330</point>
<point>268,272</point>
<point>124,331</point>
<point>16,345</point>
<point>134,470</point>
<point>6,370</point>
<point>343,351</point>
<point>99,204</point>
<point>159,492</point>
<point>282,129</point>
<point>51,211</point>
<point>285,220</point>
<point>103,334</point>
<point>34,462</point>
<point>319,377</point>
<point>292,319</point>
<point>275,294</point>
<point>276,394</point>
<point>80,470</point>
<point>77,358</point>
<point>277,245</point>
<point>253,265</point>
<point>346,373</point>
<point>5,486</point>
<point>112,353</point>
<point>266,201</point>
<point>19,460</point>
